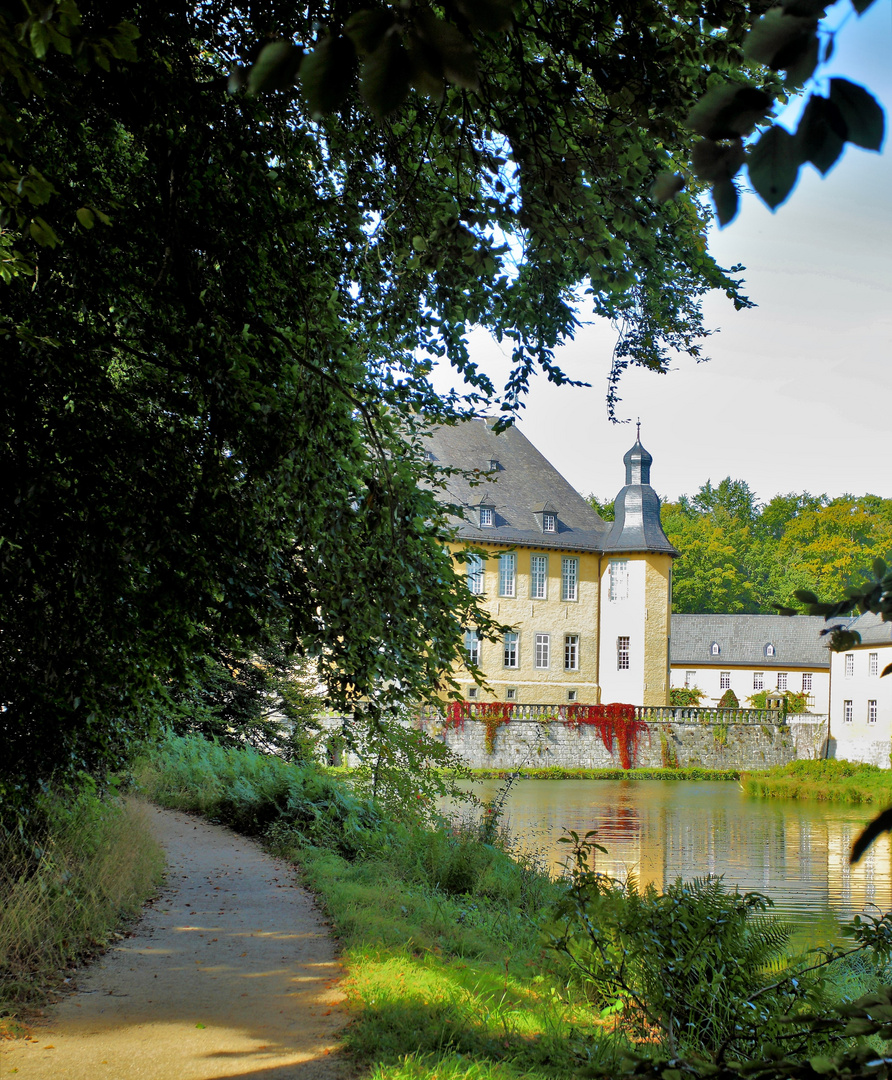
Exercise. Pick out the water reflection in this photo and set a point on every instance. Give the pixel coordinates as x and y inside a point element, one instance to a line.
<point>794,852</point>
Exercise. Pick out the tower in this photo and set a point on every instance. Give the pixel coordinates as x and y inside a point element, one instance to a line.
<point>636,592</point>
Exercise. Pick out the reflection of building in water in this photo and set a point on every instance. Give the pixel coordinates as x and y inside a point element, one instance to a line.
<point>854,889</point>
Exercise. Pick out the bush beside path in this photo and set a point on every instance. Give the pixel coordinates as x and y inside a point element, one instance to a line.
<point>230,972</point>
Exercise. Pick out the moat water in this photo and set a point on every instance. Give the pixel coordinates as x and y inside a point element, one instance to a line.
<point>795,852</point>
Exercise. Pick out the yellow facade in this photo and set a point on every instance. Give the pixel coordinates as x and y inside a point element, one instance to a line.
<point>529,617</point>
<point>657,614</point>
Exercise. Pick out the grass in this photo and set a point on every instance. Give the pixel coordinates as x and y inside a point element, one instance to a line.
<point>61,901</point>
<point>439,930</point>
<point>828,780</point>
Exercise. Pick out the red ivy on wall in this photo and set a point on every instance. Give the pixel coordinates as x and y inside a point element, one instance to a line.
<point>615,723</point>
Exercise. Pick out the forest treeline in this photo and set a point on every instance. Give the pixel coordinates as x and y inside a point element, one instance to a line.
<point>741,555</point>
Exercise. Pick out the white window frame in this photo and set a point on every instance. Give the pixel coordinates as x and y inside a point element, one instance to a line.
<point>569,577</point>
<point>475,574</point>
<point>770,650</point>
<point>572,695</point>
<point>724,680</point>
<point>872,711</point>
<point>542,657</point>
<point>873,663</point>
<point>848,712</point>
<point>782,680</point>
<point>472,647</point>
<point>690,677</point>
<point>806,682</point>
<point>472,693</point>
<point>511,649</point>
<point>538,577</point>
<point>715,649</point>
<point>549,523</point>
<point>623,653</point>
<point>571,652</point>
<point>850,665</point>
<point>619,579</point>
<point>507,574</point>
<point>487,517</point>
<point>758,680</point>
<point>511,693</point>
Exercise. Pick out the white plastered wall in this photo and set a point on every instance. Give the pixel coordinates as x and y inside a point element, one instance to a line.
<point>859,740</point>
<point>623,618</point>
<point>708,678</point>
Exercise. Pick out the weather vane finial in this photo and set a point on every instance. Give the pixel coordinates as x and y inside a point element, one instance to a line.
<point>638,433</point>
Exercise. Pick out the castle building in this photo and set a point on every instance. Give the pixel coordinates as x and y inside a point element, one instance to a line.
<point>588,601</point>
<point>860,698</point>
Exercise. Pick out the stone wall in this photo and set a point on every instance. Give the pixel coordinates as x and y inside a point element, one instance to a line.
<point>686,741</point>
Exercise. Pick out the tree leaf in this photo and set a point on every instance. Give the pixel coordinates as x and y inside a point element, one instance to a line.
<point>725,200</point>
<point>779,39</point>
<point>863,115</point>
<point>490,15</point>
<point>385,76</point>
<point>366,28</point>
<point>861,6</point>
<point>666,186</point>
<point>800,70</point>
<point>717,161</point>
<point>886,670</point>
<point>821,134</point>
<point>86,217</point>
<point>773,165</point>
<point>879,568</point>
<point>454,52</point>
<point>275,67</point>
<point>805,596</point>
<point>729,111</point>
<point>326,74</point>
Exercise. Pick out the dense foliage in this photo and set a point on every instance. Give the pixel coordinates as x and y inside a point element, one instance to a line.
<point>221,312</point>
<point>742,556</point>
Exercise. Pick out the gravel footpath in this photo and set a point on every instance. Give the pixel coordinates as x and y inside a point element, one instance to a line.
<point>231,972</point>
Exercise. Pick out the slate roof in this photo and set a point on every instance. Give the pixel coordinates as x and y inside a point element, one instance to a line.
<point>523,484</point>
<point>637,509</point>
<point>742,639</point>
<point>872,629</point>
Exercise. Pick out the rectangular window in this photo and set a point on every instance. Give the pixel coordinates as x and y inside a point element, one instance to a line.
<point>806,682</point>
<point>871,712</point>
<point>690,678</point>
<point>549,523</point>
<point>571,652</point>
<point>569,578</point>
<point>572,695</point>
<point>873,662</point>
<point>619,579</point>
<point>510,650</point>
<point>472,647</point>
<point>472,693</point>
<point>475,574</point>
<point>487,517</point>
<point>782,680</point>
<point>507,574</point>
<point>511,693</point>
<point>622,654</point>
<point>538,577</point>
<point>850,665</point>
<point>724,680</point>
<point>758,680</point>
<point>543,650</point>
<point>848,712</point>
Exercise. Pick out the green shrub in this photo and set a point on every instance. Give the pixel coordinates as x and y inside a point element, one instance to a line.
<point>729,700</point>
<point>686,696</point>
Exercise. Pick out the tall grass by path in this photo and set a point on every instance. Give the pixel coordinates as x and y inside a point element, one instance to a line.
<point>827,780</point>
<point>440,931</point>
<point>63,898</point>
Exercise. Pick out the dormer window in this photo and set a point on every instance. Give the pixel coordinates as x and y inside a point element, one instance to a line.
<point>715,649</point>
<point>487,517</point>
<point>494,465</point>
<point>546,517</point>
<point>770,650</point>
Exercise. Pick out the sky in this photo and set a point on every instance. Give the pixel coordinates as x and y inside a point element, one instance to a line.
<point>796,394</point>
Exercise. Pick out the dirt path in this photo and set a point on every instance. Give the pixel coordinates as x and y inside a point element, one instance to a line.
<point>230,973</point>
